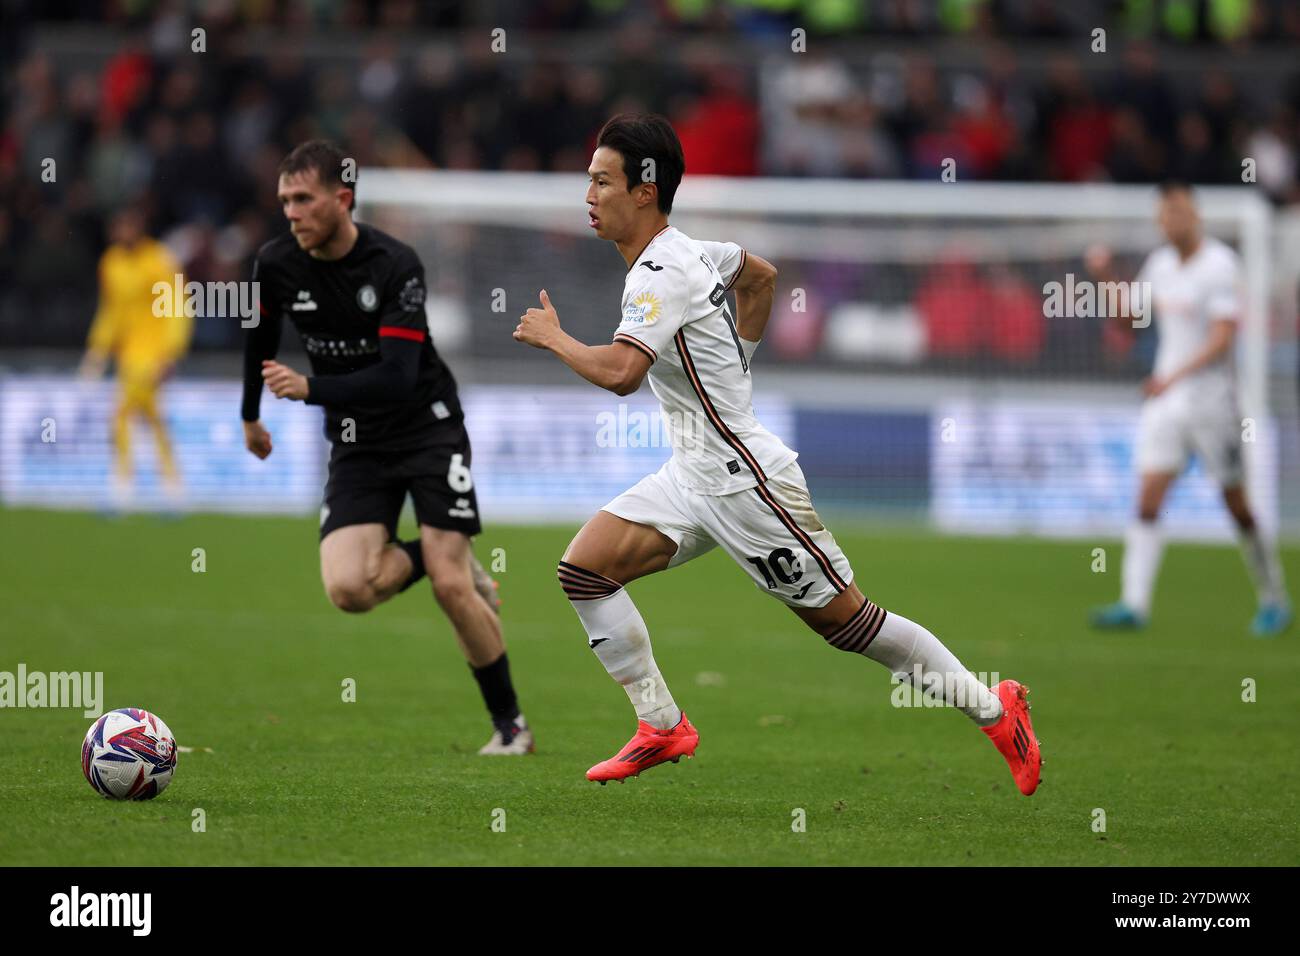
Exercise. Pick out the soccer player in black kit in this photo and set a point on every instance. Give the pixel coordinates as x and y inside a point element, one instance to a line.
<point>392,415</point>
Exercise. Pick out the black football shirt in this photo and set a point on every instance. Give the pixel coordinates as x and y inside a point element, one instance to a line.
<point>344,310</point>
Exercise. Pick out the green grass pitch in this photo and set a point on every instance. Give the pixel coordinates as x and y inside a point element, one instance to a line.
<point>248,659</point>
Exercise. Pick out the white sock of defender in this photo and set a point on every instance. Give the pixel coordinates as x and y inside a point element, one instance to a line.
<point>914,654</point>
<point>619,637</point>
<point>1264,567</point>
<point>1143,547</point>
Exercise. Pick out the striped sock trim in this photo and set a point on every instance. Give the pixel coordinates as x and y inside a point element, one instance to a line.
<point>583,585</point>
<point>858,631</point>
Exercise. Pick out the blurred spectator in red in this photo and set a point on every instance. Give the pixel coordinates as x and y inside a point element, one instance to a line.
<point>719,129</point>
<point>1076,126</point>
<point>986,133</point>
<point>126,80</point>
<point>953,301</point>
<point>1015,323</point>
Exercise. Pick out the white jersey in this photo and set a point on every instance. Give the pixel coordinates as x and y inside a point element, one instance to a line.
<point>1188,297</point>
<point>675,311</point>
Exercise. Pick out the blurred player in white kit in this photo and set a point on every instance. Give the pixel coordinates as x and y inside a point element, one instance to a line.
<point>1191,408</point>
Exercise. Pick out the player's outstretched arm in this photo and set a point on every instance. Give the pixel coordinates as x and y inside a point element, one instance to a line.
<point>1100,265</point>
<point>755,289</point>
<point>617,368</point>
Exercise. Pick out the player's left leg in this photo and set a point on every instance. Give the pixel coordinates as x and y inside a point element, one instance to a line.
<point>1220,452</point>
<point>774,533</point>
<point>448,559</point>
<point>1216,436</point>
<point>1264,565</point>
<point>446,507</point>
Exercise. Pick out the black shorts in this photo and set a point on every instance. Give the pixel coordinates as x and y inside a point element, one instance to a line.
<point>368,486</point>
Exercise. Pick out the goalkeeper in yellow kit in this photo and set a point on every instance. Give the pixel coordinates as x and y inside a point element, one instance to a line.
<point>143,339</point>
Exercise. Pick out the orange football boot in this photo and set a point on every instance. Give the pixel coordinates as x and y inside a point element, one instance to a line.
<point>1013,735</point>
<point>648,748</point>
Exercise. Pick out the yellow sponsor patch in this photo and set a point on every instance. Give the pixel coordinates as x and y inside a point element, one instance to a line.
<point>642,310</point>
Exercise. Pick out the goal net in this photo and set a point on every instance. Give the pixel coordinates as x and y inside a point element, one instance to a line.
<point>931,354</point>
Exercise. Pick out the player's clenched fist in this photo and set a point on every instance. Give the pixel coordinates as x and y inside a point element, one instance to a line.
<point>536,326</point>
<point>283,381</point>
<point>257,439</point>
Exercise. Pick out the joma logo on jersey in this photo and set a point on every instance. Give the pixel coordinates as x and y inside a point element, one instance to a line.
<point>642,310</point>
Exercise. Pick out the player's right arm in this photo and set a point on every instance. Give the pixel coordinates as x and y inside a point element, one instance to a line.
<point>619,368</point>
<point>262,343</point>
<point>1100,265</point>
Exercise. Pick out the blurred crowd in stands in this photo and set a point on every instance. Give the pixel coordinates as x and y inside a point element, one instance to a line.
<point>196,136</point>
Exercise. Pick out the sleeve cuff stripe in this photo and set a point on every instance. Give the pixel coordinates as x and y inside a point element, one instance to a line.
<point>397,332</point>
<point>739,269</point>
<point>650,353</point>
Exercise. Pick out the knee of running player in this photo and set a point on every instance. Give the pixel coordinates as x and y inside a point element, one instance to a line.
<point>352,588</point>
<point>453,582</point>
<point>354,594</point>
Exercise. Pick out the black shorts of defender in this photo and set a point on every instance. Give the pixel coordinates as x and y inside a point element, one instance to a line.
<point>369,486</point>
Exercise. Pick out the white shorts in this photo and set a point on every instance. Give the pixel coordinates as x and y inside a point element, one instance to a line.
<point>1170,432</point>
<point>770,530</point>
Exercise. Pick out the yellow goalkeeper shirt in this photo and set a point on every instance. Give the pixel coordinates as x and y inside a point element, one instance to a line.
<point>128,325</point>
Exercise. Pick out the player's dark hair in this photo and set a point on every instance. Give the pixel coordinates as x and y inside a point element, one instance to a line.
<point>1168,186</point>
<point>326,158</point>
<point>642,136</point>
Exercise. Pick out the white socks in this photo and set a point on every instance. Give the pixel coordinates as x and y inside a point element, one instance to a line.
<point>1143,547</point>
<point>911,652</point>
<point>618,635</point>
<point>1264,567</point>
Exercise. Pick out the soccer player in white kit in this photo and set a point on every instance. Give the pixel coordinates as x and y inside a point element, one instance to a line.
<point>1191,408</point>
<point>730,482</point>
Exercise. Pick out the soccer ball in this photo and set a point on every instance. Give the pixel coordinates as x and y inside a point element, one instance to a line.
<point>129,754</point>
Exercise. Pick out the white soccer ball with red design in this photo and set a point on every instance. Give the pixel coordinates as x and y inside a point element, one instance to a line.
<point>129,754</point>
